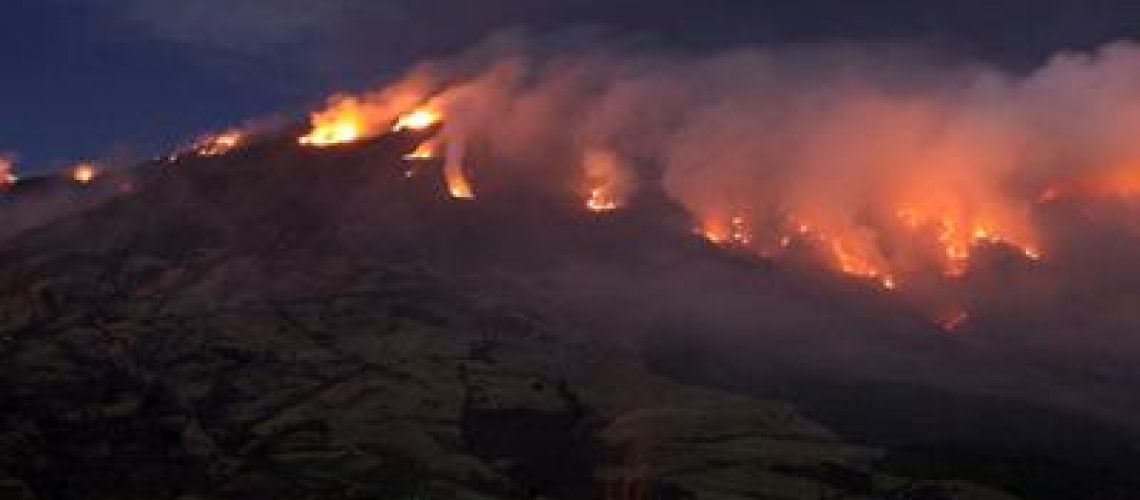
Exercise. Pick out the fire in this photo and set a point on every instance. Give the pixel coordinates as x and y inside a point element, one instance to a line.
<point>348,120</point>
<point>425,151</point>
<point>605,179</point>
<point>847,253</point>
<point>958,237</point>
<point>417,120</point>
<point>220,144</point>
<point>7,175</point>
<point>457,183</point>
<point>601,201</point>
<point>332,134</point>
<point>343,123</point>
<point>84,173</point>
<point>855,264</point>
<point>731,232</point>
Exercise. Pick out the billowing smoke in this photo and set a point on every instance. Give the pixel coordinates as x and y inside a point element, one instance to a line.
<point>887,166</point>
<point>982,199</point>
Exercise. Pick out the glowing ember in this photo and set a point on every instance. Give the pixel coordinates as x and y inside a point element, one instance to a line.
<point>219,144</point>
<point>854,264</point>
<point>601,201</point>
<point>713,232</point>
<point>606,180</point>
<point>420,119</point>
<point>84,173</point>
<point>954,321</point>
<point>733,233</point>
<point>739,234</point>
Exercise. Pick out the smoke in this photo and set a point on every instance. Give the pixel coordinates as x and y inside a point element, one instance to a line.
<point>887,164</point>
<point>964,189</point>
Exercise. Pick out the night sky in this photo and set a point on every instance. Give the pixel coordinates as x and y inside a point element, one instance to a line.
<point>117,80</point>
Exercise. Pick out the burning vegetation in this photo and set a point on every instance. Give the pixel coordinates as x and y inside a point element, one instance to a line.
<point>417,121</point>
<point>896,185</point>
<point>877,180</point>
<point>84,173</point>
<point>8,176</point>
<point>219,144</point>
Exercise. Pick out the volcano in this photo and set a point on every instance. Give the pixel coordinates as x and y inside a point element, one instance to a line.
<point>282,321</point>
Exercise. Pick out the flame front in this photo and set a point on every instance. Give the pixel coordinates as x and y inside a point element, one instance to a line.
<point>342,123</point>
<point>959,236</point>
<point>418,120</point>
<point>219,144</point>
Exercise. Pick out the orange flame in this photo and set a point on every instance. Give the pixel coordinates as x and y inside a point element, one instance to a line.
<point>605,180</point>
<point>7,175</point>
<point>847,253</point>
<point>418,120</point>
<point>424,151</point>
<point>457,183</point>
<point>342,123</point>
<point>601,201</point>
<point>84,173</point>
<point>219,144</point>
<point>958,237</point>
<point>733,231</point>
<point>855,264</point>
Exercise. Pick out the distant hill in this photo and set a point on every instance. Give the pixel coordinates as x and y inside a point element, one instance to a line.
<point>282,322</point>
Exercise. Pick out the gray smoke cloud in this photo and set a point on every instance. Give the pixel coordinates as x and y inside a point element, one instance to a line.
<point>897,162</point>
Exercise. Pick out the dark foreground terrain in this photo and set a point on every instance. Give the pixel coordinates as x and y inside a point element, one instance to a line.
<point>281,323</point>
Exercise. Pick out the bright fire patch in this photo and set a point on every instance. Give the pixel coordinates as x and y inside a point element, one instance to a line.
<point>332,134</point>
<point>84,173</point>
<point>424,151</point>
<point>959,237</point>
<point>220,144</point>
<point>601,201</point>
<point>7,171</point>
<point>420,119</point>
<point>342,123</point>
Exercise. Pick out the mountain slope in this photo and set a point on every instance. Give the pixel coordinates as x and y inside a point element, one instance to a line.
<point>283,323</point>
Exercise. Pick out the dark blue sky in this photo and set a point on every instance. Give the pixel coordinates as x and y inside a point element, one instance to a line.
<point>78,83</point>
<point>109,79</point>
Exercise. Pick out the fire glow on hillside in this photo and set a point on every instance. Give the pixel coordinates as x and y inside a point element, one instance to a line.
<point>882,183</point>
<point>8,171</point>
<point>219,144</point>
